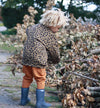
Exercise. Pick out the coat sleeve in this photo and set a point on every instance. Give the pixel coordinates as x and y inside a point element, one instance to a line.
<point>40,53</point>
<point>53,54</point>
<point>52,49</point>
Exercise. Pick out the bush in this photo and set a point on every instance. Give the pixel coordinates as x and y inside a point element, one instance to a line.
<point>1,24</point>
<point>12,16</point>
<point>9,32</point>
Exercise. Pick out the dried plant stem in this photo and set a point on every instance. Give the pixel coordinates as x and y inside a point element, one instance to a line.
<point>94,89</point>
<point>78,74</point>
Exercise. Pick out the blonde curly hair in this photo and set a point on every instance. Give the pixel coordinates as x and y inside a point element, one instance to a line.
<point>53,18</point>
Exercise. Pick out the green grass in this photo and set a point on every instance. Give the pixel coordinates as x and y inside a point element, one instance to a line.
<point>58,106</point>
<point>16,86</point>
<point>15,98</point>
<point>9,91</point>
<point>1,24</point>
<point>30,104</point>
<point>52,99</point>
<point>6,85</point>
<point>7,69</point>
<point>33,85</point>
<point>9,32</point>
<point>50,89</point>
<point>8,47</point>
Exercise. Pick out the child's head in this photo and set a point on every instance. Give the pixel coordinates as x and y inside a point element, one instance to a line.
<point>54,19</point>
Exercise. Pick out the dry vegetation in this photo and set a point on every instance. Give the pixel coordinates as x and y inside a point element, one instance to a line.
<point>77,76</point>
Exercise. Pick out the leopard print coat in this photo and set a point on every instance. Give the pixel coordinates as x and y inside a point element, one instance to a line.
<point>41,47</point>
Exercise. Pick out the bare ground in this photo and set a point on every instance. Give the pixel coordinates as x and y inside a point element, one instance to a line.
<point>10,88</point>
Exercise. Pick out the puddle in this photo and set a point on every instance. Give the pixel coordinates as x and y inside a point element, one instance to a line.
<point>3,28</point>
<point>4,56</point>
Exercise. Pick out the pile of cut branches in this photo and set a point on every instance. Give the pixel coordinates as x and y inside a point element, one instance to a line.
<point>79,69</point>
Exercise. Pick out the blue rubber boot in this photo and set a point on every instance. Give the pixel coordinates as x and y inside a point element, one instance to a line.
<point>40,102</point>
<point>24,96</point>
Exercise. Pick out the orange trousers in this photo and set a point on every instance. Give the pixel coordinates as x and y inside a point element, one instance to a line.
<point>33,72</point>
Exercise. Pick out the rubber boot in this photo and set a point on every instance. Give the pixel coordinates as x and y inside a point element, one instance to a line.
<point>24,96</point>
<point>40,102</point>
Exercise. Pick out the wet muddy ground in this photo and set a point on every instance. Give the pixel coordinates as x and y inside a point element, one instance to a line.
<point>10,87</point>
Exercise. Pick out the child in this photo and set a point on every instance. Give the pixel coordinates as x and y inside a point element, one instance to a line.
<point>40,48</point>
